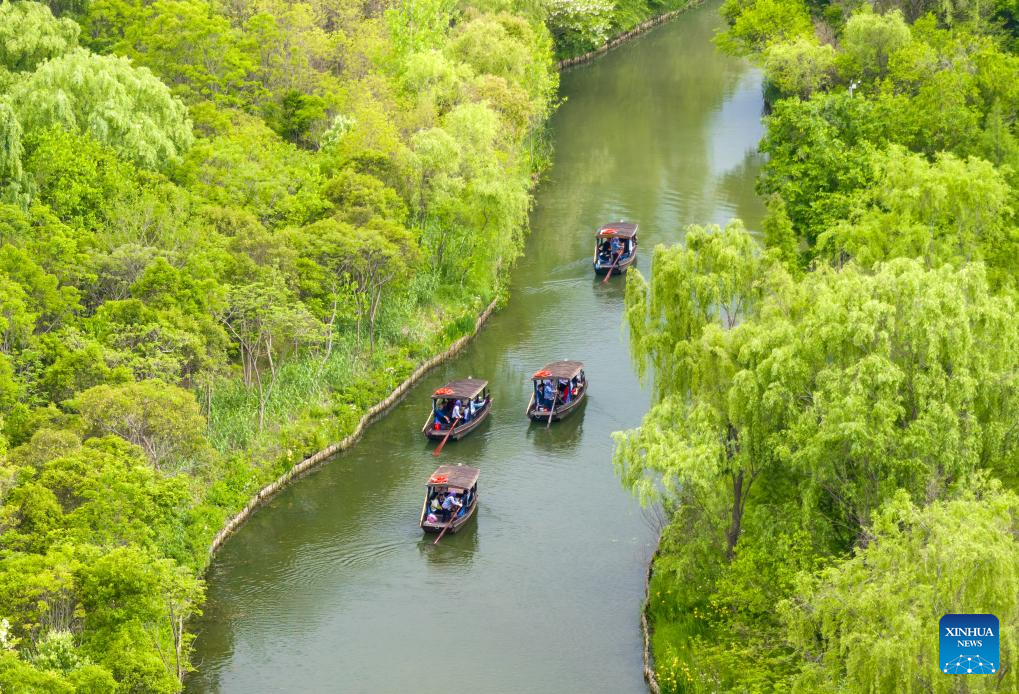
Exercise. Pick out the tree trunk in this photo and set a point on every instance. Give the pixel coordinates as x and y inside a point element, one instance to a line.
<point>736,522</point>
<point>371,321</point>
<point>330,332</point>
<point>261,400</point>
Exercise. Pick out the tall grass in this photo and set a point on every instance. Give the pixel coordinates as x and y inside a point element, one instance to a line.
<point>302,383</point>
<point>350,381</point>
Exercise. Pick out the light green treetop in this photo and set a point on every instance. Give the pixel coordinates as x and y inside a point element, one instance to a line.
<point>855,382</point>
<point>950,211</point>
<point>870,623</point>
<point>125,107</point>
<point>870,39</point>
<point>30,34</point>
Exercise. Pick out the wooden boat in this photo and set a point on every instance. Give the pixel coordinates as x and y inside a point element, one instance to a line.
<point>460,480</point>
<point>465,390</point>
<point>559,372</point>
<point>604,260</point>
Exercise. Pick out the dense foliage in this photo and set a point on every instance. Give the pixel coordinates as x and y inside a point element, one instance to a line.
<point>834,428</point>
<point>225,230</point>
<point>579,26</point>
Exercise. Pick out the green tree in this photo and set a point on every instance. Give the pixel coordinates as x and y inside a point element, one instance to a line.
<point>135,606</point>
<point>250,167</point>
<point>418,25</point>
<point>268,326</point>
<point>705,440</point>
<point>30,34</point>
<point>12,150</point>
<point>579,26</point>
<point>194,49</point>
<point>800,67</point>
<point>163,420</point>
<point>125,107</point>
<point>755,24</point>
<point>835,379</point>
<point>507,47</point>
<point>818,154</point>
<point>952,210</point>
<point>870,39</point>
<point>866,623</point>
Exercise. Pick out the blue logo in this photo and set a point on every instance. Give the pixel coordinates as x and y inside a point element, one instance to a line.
<point>968,644</point>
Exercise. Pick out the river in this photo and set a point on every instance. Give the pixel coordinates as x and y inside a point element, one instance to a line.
<point>331,587</point>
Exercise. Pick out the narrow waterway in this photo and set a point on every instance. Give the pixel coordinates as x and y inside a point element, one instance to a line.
<point>331,588</point>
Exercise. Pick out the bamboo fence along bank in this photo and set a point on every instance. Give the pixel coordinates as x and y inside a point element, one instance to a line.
<point>624,37</point>
<point>373,413</point>
<point>645,625</point>
<point>380,408</point>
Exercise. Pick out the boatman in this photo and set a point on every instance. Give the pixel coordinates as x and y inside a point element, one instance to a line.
<point>457,413</point>
<point>549,394</point>
<point>440,417</point>
<point>451,505</point>
<point>617,249</point>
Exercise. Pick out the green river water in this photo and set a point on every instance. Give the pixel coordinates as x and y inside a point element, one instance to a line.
<point>331,587</point>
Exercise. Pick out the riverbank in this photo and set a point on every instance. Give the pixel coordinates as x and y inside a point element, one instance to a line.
<point>622,38</point>
<point>269,490</point>
<point>336,571</point>
<point>379,409</point>
<point>819,513</point>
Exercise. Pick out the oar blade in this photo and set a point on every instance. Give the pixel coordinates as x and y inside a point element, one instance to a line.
<point>438,449</point>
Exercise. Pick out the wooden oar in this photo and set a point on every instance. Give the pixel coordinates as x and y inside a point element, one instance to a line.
<point>551,410</point>
<point>612,267</point>
<point>452,518</point>
<point>452,426</point>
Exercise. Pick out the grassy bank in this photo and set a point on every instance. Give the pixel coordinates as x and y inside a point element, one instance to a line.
<point>579,28</point>
<point>213,268</point>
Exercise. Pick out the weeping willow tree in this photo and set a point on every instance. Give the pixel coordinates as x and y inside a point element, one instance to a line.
<point>704,442</point>
<point>119,105</point>
<point>870,623</point>
<point>12,175</point>
<point>845,387</point>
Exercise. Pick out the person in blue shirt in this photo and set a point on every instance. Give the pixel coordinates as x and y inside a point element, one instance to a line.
<point>451,504</point>
<point>549,394</point>
<point>441,420</point>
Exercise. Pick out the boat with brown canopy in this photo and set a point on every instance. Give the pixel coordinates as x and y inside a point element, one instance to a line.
<point>615,248</point>
<point>460,482</point>
<point>468,397</point>
<point>558,390</point>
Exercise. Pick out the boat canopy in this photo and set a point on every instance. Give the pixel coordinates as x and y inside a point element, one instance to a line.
<point>559,369</point>
<point>464,388</point>
<point>622,230</point>
<point>462,476</point>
